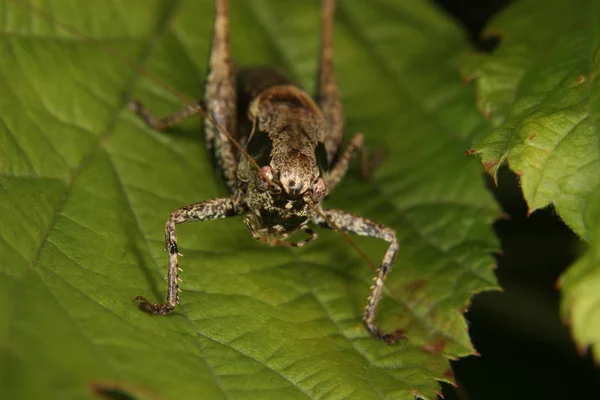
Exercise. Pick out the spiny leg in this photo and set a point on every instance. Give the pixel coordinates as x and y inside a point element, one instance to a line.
<point>221,99</point>
<point>204,211</point>
<point>351,223</point>
<point>328,95</point>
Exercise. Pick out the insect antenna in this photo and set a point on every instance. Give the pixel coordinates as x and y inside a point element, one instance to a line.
<point>186,100</point>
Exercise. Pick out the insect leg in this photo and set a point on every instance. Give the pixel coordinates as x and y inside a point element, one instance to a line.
<point>220,98</point>
<point>163,123</point>
<point>351,223</point>
<point>367,163</point>
<point>328,95</point>
<point>313,236</point>
<point>280,242</point>
<point>339,169</point>
<point>204,211</point>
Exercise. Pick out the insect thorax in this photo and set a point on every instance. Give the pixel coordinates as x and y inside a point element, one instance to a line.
<point>288,130</point>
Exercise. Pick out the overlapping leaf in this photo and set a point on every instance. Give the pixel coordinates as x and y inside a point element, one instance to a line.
<point>542,89</point>
<point>581,298</point>
<point>85,189</point>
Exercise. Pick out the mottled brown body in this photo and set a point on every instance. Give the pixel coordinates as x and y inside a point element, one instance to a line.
<point>293,157</point>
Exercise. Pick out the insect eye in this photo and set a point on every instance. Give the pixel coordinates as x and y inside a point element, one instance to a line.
<point>263,177</point>
<point>319,190</point>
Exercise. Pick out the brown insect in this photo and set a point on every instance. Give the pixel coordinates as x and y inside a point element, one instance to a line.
<point>279,151</point>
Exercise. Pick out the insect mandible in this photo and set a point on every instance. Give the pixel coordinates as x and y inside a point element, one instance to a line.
<point>290,161</point>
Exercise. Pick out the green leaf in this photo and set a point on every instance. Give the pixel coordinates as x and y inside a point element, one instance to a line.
<point>580,285</point>
<point>541,88</point>
<point>86,187</point>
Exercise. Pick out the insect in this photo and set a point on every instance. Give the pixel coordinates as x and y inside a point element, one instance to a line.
<point>294,140</point>
<point>279,151</point>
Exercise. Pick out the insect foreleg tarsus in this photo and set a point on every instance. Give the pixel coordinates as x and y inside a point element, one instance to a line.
<point>351,223</point>
<point>312,235</point>
<point>204,211</point>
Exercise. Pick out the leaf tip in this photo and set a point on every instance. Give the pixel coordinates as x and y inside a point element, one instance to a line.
<point>491,170</point>
<point>557,284</point>
<point>490,167</point>
<point>565,318</point>
<point>449,374</point>
<point>582,349</point>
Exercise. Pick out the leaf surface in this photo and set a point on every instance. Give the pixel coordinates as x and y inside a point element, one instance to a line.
<point>580,306</point>
<point>541,88</point>
<point>85,189</point>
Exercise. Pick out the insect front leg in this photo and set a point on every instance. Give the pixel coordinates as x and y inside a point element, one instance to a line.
<point>204,211</point>
<point>351,223</point>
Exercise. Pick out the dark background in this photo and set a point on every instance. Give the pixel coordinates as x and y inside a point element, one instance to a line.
<point>526,350</point>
